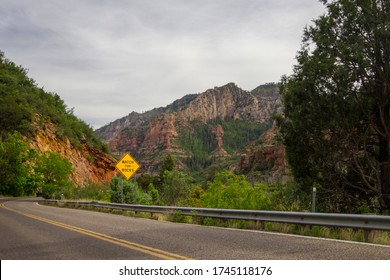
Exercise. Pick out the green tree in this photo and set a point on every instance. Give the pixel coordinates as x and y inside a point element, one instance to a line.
<point>16,161</point>
<point>154,194</point>
<point>176,186</point>
<point>124,191</point>
<point>232,191</point>
<point>116,193</point>
<point>168,164</point>
<point>145,180</point>
<point>54,171</point>
<point>336,123</point>
<point>289,197</point>
<point>194,198</point>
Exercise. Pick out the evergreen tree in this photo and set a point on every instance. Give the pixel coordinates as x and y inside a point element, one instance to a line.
<point>336,123</point>
<point>176,185</point>
<point>168,164</point>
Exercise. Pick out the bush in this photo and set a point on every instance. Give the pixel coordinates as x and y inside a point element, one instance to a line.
<point>232,191</point>
<point>123,191</point>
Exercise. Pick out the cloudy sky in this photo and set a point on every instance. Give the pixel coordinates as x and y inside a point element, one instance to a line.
<point>107,58</point>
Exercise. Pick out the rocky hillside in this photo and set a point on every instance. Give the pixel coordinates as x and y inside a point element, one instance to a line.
<point>90,164</point>
<point>47,124</point>
<point>198,130</point>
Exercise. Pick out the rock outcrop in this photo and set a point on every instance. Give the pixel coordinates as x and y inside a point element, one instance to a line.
<point>89,164</point>
<point>219,152</point>
<point>266,160</point>
<point>151,135</point>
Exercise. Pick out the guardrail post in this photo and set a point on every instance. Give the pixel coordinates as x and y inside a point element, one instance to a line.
<point>121,188</point>
<point>366,234</point>
<point>259,225</point>
<point>135,191</point>
<point>305,228</point>
<point>313,201</point>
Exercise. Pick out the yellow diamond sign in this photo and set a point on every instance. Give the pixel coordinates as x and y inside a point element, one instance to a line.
<point>127,166</point>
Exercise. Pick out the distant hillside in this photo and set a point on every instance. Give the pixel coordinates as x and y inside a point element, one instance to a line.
<point>48,125</point>
<point>200,130</point>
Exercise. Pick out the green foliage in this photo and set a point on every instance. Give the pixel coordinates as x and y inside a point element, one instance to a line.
<point>16,173</point>
<point>199,140</point>
<point>23,171</point>
<point>54,171</point>
<point>24,108</point>
<point>288,197</point>
<point>177,217</point>
<point>54,168</point>
<point>91,191</point>
<point>176,186</point>
<point>335,128</point>
<point>194,198</point>
<point>225,190</point>
<point>232,191</point>
<point>154,195</point>
<point>238,133</point>
<point>266,90</point>
<point>21,101</point>
<point>168,164</point>
<point>124,191</point>
<point>145,180</point>
<point>15,112</point>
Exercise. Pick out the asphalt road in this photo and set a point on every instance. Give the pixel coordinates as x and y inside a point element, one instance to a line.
<point>32,231</point>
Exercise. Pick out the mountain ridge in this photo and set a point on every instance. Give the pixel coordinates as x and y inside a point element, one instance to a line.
<point>198,129</point>
<point>135,118</point>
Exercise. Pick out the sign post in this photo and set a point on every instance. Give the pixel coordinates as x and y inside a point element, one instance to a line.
<point>127,166</point>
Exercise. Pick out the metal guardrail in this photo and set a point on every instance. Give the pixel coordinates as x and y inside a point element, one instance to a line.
<point>365,222</point>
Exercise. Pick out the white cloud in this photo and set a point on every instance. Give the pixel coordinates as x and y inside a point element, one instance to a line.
<point>108,58</point>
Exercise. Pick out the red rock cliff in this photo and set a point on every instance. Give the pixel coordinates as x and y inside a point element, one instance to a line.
<point>89,164</point>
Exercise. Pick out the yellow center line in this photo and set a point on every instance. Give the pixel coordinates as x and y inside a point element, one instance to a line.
<point>121,242</point>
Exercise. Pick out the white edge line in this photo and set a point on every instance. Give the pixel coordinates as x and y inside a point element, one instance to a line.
<point>269,232</point>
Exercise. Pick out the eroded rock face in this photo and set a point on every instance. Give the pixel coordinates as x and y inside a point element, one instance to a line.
<point>161,133</point>
<point>227,102</point>
<point>267,159</point>
<point>219,152</point>
<point>157,131</point>
<point>89,164</point>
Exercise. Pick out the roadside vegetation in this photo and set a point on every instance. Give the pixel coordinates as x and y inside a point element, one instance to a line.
<point>226,190</point>
<point>336,122</point>
<point>23,172</point>
<point>24,109</point>
<point>335,127</point>
<point>21,101</point>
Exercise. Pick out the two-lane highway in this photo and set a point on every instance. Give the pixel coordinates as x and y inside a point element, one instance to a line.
<point>32,231</point>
